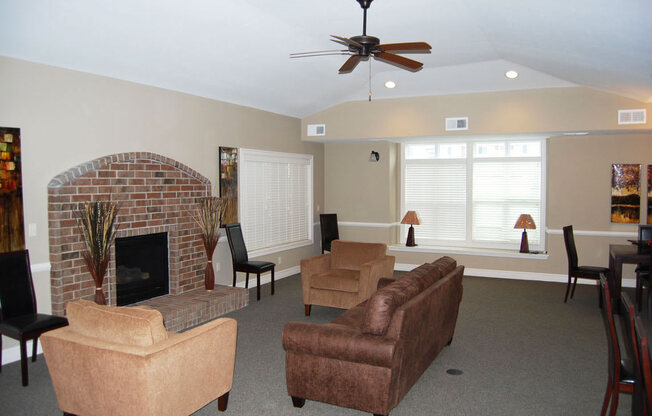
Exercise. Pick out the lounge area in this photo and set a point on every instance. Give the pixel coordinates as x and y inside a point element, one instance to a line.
<point>433,135</point>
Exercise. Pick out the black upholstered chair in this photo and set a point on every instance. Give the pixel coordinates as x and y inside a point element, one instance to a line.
<point>643,270</point>
<point>583,272</point>
<point>621,372</point>
<point>642,404</point>
<point>18,317</point>
<point>329,230</point>
<point>240,258</point>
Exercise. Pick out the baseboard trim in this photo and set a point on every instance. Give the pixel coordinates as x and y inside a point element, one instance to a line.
<point>267,277</point>
<point>509,274</point>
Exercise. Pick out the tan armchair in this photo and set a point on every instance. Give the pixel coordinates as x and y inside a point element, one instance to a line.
<point>346,276</point>
<point>122,361</point>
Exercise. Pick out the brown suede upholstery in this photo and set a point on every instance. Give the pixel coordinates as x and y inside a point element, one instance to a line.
<point>346,276</point>
<point>369,357</point>
<point>141,369</point>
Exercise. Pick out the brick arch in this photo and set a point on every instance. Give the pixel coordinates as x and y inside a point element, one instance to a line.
<point>154,192</point>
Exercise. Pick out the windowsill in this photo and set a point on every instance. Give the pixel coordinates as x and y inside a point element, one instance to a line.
<point>486,252</point>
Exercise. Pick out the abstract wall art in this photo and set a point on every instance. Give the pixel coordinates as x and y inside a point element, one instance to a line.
<point>229,183</point>
<point>625,193</point>
<point>12,225</point>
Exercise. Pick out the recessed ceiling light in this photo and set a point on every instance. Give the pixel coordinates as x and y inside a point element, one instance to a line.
<point>511,74</point>
<point>390,84</point>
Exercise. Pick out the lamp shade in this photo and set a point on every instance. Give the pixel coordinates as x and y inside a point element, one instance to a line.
<point>411,217</point>
<point>525,221</point>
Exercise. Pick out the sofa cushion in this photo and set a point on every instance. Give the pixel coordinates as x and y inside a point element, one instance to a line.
<point>337,279</point>
<point>351,255</point>
<point>382,304</point>
<point>138,326</point>
<point>445,265</point>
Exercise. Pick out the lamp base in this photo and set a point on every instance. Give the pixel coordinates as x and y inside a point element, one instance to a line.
<point>410,237</point>
<point>525,248</point>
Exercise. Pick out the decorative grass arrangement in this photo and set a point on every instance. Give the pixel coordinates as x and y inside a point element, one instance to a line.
<point>208,216</point>
<point>96,222</point>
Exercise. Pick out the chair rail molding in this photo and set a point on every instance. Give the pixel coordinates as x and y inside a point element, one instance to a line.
<point>590,233</point>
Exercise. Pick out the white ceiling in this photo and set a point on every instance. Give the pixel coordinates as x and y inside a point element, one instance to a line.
<point>238,50</point>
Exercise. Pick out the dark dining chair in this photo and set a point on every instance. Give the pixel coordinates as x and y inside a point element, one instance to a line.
<point>18,317</point>
<point>583,272</point>
<point>643,270</point>
<point>240,258</point>
<point>329,230</point>
<point>621,373</point>
<point>643,391</point>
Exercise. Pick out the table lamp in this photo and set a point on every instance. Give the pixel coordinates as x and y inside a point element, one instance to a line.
<point>412,218</point>
<point>525,222</point>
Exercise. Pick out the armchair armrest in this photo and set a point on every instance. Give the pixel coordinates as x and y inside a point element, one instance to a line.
<point>372,271</point>
<point>384,281</point>
<point>338,342</point>
<point>310,267</point>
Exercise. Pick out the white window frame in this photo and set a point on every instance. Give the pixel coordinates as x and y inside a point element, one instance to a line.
<point>469,243</point>
<point>244,183</point>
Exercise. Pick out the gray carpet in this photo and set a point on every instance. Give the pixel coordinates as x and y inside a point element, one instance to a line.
<point>521,349</point>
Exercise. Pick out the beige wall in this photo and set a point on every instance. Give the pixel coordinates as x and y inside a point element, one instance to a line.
<point>523,112</point>
<point>578,174</point>
<point>68,117</point>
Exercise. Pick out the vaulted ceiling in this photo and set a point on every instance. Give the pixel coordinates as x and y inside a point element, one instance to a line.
<point>238,51</point>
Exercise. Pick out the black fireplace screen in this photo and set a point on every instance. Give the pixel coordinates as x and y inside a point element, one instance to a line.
<point>141,267</point>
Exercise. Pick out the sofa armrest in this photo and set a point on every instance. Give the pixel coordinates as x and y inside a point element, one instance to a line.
<point>311,267</point>
<point>372,271</point>
<point>338,342</point>
<point>384,281</point>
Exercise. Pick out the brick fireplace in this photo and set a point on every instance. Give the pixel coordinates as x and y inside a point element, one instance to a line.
<point>155,193</point>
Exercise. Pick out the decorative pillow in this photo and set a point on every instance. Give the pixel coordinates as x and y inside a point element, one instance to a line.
<point>122,325</point>
<point>382,304</point>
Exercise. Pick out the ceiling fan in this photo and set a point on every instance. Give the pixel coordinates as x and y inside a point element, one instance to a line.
<point>363,46</point>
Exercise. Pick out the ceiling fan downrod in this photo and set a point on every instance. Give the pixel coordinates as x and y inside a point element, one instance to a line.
<point>365,5</point>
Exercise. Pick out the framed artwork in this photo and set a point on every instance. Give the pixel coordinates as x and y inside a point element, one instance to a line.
<point>649,194</point>
<point>229,183</point>
<point>625,193</point>
<point>12,223</point>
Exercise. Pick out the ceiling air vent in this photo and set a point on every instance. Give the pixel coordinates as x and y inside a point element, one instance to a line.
<point>631,116</point>
<point>457,123</point>
<point>316,129</point>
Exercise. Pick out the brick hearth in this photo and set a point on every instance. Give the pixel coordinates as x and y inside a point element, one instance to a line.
<point>155,194</point>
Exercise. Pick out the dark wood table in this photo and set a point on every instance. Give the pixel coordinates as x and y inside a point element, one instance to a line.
<point>620,254</point>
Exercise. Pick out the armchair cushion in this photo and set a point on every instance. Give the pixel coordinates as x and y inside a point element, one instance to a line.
<point>121,325</point>
<point>338,279</point>
<point>351,255</point>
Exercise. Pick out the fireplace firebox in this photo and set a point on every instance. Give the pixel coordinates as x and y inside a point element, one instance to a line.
<point>141,268</point>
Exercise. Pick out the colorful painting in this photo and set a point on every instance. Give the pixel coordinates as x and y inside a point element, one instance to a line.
<point>649,194</point>
<point>625,193</point>
<point>12,225</point>
<point>229,183</point>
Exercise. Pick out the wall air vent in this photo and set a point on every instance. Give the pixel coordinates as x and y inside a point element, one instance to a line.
<point>316,130</point>
<point>631,116</point>
<point>457,123</point>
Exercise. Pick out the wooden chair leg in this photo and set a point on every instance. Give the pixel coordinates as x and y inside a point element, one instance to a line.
<point>607,397</point>
<point>272,280</point>
<point>639,292</point>
<point>568,286</point>
<point>298,401</point>
<point>614,402</point>
<point>0,353</point>
<point>573,290</point>
<point>23,362</point>
<point>258,286</point>
<point>247,281</point>
<point>222,402</point>
<point>34,347</point>
<point>307,309</point>
<point>234,275</point>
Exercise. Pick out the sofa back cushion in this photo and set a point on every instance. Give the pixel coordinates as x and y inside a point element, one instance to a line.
<point>138,326</point>
<point>382,304</point>
<point>351,255</point>
<point>445,265</point>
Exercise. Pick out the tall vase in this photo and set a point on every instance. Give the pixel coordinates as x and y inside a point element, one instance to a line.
<point>98,278</point>
<point>209,274</point>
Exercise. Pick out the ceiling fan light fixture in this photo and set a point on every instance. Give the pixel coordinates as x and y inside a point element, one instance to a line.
<point>390,84</point>
<point>511,74</point>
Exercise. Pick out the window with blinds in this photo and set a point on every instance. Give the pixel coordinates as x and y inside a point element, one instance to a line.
<point>470,193</point>
<point>275,200</point>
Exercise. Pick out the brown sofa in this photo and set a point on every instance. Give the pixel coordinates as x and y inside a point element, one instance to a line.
<point>122,361</point>
<point>346,276</point>
<point>369,357</point>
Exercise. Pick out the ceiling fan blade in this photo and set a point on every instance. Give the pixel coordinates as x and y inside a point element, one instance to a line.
<point>347,41</point>
<point>399,60</point>
<point>405,46</point>
<point>317,53</point>
<point>350,64</point>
